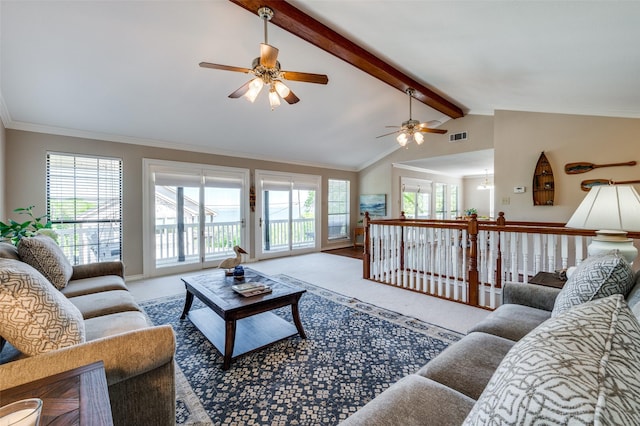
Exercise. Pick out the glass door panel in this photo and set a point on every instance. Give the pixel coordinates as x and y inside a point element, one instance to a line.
<point>177,218</point>
<point>276,220</point>
<point>303,218</point>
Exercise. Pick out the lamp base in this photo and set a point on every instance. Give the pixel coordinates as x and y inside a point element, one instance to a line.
<point>608,240</point>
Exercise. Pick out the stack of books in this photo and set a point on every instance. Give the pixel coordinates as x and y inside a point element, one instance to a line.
<point>251,289</point>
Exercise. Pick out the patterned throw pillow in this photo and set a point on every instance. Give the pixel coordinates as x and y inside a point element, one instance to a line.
<point>579,368</point>
<point>34,316</point>
<point>47,257</point>
<point>595,278</point>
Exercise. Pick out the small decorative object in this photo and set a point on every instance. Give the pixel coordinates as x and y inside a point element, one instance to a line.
<point>238,273</point>
<point>583,167</point>
<point>543,187</point>
<point>469,212</point>
<point>252,198</point>
<point>230,263</point>
<point>25,412</point>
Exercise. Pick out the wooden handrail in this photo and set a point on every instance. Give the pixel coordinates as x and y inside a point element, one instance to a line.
<point>473,227</point>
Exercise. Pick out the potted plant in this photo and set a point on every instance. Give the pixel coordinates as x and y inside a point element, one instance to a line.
<point>469,212</point>
<point>14,231</point>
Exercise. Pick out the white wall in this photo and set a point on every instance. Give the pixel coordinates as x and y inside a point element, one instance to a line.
<point>480,200</point>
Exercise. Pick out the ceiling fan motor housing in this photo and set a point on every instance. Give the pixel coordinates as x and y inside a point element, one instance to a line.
<point>268,75</point>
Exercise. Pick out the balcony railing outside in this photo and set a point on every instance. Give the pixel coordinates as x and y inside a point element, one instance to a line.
<point>468,260</point>
<point>220,238</point>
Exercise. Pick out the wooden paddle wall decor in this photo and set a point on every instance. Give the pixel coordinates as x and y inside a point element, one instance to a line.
<point>543,184</point>
<point>584,167</point>
<point>586,185</point>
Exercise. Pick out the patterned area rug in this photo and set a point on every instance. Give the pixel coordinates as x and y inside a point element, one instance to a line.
<point>352,353</point>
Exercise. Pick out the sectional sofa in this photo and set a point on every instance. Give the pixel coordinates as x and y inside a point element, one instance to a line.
<point>545,356</point>
<point>55,317</point>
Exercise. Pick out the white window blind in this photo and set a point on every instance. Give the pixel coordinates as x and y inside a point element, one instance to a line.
<point>338,206</point>
<point>84,204</point>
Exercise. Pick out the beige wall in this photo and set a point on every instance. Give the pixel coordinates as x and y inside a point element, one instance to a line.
<point>475,198</point>
<point>520,137</point>
<point>28,179</point>
<point>380,177</point>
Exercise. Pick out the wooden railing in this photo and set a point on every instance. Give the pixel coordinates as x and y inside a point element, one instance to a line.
<point>468,260</point>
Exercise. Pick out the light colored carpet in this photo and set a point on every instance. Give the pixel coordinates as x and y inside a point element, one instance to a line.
<point>342,275</point>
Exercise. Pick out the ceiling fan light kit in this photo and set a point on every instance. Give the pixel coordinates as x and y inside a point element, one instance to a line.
<point>413,129</point>
<point>267,71</point>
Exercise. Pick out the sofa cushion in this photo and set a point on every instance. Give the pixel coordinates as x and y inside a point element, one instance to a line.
<point>104,303</point>
<point>46,256</point>
<point>633,298</point>
<point>595,278</point>
<point>109,325</point>
<point>467,365</point>
<point>8,251</point>
<point>414,401</point>
<point>94,285</point>
<point>512,321</point>
<point>581,367</point>
<point>34,316</point>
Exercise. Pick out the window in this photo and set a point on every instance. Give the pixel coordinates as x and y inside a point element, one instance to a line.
<point>84,204</point>
<point>338,200</point>
<point>440,200</point>
<point>453,204</point>
<point>416,198</point>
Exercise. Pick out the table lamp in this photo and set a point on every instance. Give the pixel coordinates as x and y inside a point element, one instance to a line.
<point>613,210</point>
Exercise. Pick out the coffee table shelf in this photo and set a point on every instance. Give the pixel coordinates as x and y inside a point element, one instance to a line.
<point>252,333</point>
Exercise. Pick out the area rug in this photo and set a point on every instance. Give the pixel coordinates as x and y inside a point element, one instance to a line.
<point>352,353</point>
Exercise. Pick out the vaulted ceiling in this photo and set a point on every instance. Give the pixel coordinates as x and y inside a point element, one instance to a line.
<point>128,70</point>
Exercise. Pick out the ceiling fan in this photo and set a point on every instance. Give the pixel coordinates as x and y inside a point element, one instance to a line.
<point>413,128</point>
<point>266,70</point>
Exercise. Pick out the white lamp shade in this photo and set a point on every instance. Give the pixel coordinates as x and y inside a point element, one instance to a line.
<point>614,207</point>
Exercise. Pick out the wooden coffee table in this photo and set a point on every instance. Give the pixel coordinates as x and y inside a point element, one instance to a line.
<point>235,324</point>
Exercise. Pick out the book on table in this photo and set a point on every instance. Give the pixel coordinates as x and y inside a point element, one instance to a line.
<point>251,289</point>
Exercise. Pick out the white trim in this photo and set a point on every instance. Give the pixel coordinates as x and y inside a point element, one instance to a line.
<point>148,227</point>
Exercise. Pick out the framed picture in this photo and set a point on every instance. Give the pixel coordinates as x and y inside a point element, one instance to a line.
<point>375,204</point>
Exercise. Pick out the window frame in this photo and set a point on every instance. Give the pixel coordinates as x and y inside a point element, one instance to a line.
<point>109,171</point>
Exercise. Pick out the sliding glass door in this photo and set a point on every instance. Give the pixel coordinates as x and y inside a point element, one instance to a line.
<point>195,215</point>
<point>288,206</point>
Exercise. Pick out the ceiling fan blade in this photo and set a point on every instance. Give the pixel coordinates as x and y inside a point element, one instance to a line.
<point>305,77</point>
<point>397,127</point>
<point>291,98</point>
<point>428,130</point>
<point>268,55</point>
<point>224,67</point>
<point>387,134</point>
<point>241,91</point>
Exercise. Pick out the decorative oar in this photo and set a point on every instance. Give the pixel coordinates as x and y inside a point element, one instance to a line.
<point>586,185</point>
<point>576,168</point>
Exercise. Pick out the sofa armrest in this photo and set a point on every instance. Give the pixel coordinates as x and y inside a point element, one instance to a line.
<point>124,355</point>
<point>98,269</point>
<point>532,295</point>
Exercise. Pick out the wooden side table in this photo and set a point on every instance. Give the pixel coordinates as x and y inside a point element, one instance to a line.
<point>75,397</point>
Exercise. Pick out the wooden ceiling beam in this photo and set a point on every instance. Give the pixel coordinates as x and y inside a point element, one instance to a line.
<point>307,28</point>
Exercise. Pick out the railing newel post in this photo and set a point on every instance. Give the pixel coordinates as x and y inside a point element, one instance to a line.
<point>472,229</point>
<point>366,256</point>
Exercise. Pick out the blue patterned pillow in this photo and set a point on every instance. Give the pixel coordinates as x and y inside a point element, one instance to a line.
<point>581,367</point>
<point>595,278</point>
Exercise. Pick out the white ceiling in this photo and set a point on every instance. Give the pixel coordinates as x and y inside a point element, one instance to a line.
<point>128,70</point>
